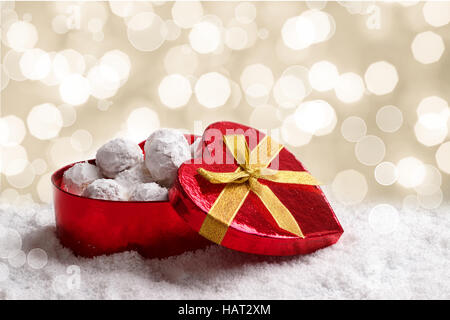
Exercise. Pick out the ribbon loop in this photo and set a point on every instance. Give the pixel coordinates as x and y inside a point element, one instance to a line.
<point>224,177</point>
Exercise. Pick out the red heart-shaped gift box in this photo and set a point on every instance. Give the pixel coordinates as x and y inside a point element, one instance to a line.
<point>250,221</point>
<point>92,227</point>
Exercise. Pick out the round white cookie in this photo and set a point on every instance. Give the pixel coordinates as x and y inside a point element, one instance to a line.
<point>106,189</point>
<point>165,151</point>
<point>118,155</point>
<point>135,175</point>
<point>149,192</point>
<point>78,177</point>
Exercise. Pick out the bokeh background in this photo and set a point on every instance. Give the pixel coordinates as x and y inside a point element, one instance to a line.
<point>358,91</point>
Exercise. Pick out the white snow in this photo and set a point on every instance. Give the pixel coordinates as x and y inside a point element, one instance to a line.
<point>412,262</point>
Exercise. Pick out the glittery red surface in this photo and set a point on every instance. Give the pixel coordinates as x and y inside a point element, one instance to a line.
<point>92,227</point>
<point>254,230</point>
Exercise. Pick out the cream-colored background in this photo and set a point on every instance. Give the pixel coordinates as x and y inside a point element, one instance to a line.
<point>353,47</point>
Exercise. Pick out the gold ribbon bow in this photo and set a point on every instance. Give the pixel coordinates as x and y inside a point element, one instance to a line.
<point>252,166</point>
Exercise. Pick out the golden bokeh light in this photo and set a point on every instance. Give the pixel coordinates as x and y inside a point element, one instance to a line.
<point>35,64</point>
<point>389,118</point>
<point>187,13</point>
<point>75,89</point>
<point>236,38</point>
<point>411,172</point>
<point>205,37</point>
<point>104,81</point>
<point>257,82</point>
<point>298,33</point>
<point>245,12</point>
<point>140,122</point>
<point>315,117</point>
<point>429,131</point>
<point>12,131</point>
<point>312,26</point>
<point>370,150</point>
<point>323,22</point>
<point>44,188</point>
<point>292,87</point>
<point>39,166</point>
<point>81,140</point>
<point>443,157</point>
<point>67,62</point>
<point>410,202</point>
<point>59,24</point>
<point>235,96</point>
<point>436,13</point>
<point>433,104</point>
<point>61,152</point>
<point>118,61</point>
<point>22,36</point>
<point>323,76</point>
<point>289,91</point>
<point>68,114</point>
<point>23,179</point>
<point>381,78</point>
<point>13,160</point>
<point>236,32</point>
<point>349,187</point>
<point>431,126</point>
<point>175,91</point>
<point>44,121</point>
<point>353,128</point>
<point>386,173</point>
<point>349,88</point>
<point>292,134</point>
<point>11,65</point>
<point>427,47</point>
<point>126,9</point>
<point>259,118</point>
<point>212,90</point>
<point>51,79</point>
<point>4,79</point>
<point>181,59</point>
<point>432,181</point>
<point>146,31</point>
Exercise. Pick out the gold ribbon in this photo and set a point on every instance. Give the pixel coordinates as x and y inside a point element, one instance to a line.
<point>252,166</point>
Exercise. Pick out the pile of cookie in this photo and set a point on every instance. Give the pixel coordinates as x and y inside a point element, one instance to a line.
<point>121,173</point>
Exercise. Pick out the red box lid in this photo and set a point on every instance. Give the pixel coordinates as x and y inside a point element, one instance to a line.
<point>265,203</point>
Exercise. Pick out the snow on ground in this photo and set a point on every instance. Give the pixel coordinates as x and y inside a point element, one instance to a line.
<point>412,262</point>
